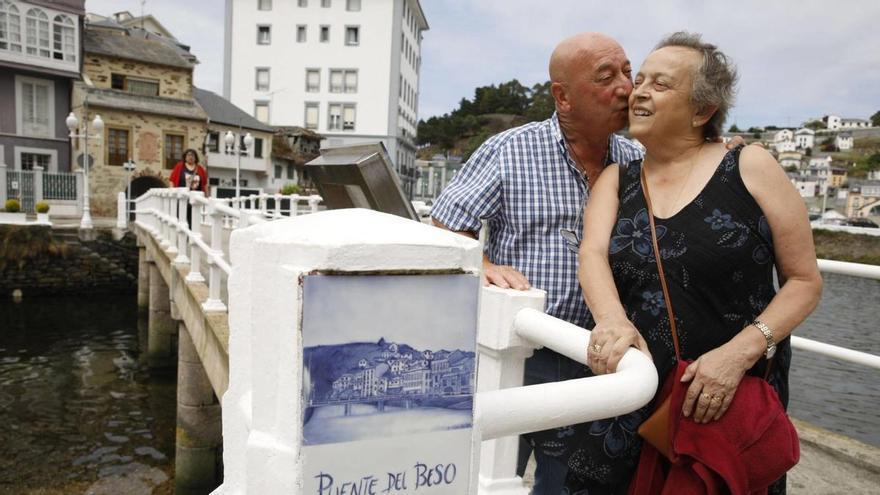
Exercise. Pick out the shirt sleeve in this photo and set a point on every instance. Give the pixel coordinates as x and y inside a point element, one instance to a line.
<point>474,193</point>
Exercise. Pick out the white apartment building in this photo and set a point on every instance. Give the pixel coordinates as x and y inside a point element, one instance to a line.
<point>347,69</point>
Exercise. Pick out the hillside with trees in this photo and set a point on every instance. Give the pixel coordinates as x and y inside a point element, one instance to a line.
<point>493,109</point>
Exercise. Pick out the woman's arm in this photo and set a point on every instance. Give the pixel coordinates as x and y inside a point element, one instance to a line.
<point>715,373</point>
<point>613,334</point>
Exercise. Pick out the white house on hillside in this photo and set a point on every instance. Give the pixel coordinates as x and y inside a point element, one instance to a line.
<point>348,69</point>
<point>804,138</point>
<point>844,141</point>
<point>790,159</point>
<point>833,122</point>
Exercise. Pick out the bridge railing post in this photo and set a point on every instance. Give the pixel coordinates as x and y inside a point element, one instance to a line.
<point>301,290</point>
<point>195,251</point>
<point>314,200</point>
<point>294,204</point>
<point>502,360</point>
<point>214,303</point>
<point>277,210</point>
<point>182,225</point>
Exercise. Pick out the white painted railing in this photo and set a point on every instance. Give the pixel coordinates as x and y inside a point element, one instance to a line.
<point>163,212</point>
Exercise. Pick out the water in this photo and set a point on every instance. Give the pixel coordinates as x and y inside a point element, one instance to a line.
<point>79,412</point>
<point>835,395</point>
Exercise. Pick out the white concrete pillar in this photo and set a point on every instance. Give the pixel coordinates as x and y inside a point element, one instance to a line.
<point>38,184</point>
<point>2,182</point>
<point>283,271</point>
<point>502,363</point>
<point>121,211</point>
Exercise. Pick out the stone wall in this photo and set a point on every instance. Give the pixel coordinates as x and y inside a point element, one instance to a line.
<point>96,267</point>
<point>174,82</point>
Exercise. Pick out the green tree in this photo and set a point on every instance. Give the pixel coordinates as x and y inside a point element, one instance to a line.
<point>734,128</point>
<point>542,103</point>
<point>815,125</point>
<point>875,119</point>
<point>755,130</point>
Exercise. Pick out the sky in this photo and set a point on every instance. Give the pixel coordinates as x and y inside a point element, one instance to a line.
<point>797,59</point>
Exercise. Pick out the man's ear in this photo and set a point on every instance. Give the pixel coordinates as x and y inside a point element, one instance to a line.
<point>560,96</point>
<point>703,115</point>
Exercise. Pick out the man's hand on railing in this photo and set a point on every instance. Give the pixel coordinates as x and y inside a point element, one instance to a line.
<point>506,277</point>
<point>609,341</point>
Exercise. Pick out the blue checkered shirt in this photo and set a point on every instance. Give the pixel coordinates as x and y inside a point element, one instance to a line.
<point>525,184</point>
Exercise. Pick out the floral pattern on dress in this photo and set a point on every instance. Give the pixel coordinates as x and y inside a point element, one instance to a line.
<point>719,220</point>
<point>653,301</point>
<point>635,233</point>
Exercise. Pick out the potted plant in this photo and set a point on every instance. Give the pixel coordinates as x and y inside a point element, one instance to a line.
<point>12,212</point>
<point>42,212</point>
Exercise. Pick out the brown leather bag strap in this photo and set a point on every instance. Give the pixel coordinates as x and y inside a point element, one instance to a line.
<point>660,265</point>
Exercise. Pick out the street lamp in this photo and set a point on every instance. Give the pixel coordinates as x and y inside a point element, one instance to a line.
<point>98,126</point>
<point>234,145</point>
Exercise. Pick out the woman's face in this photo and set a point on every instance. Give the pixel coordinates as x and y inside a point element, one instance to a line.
<point>660,102</point>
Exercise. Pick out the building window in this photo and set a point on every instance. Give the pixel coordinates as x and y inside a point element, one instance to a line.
<point>173,150</point>
<point>258,147</point>
<point>343,81</point>
<point>264,35</point>
<point>303,3</point>
<point>36,107</point>
<point>137,86</point>
<point>311,119</point>
<point>352,35</point>
<point>262,79</point>
<point>212,142</point>
<point>325,34</point>
<point>261,111</point>
<point>278,171</point>
<point>325,4</point>
<point>301,33</point>
<point>341,117</point>
<point>264,5</point>
<point>313,80</point>
<point>31,160</point>
<point>63,39</point>
<point>291,172</point>
<point>353,5</point>
<point>37,33</point>
<point>10,27</point>
<point>117,146</point>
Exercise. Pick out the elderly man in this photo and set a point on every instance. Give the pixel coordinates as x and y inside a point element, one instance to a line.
<point>530,183</point>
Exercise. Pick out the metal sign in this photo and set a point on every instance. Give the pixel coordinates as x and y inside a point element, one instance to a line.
<point>79,160</point>
<point>360,176</point>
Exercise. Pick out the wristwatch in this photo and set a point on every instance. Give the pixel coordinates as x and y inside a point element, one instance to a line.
<point>768,335</point>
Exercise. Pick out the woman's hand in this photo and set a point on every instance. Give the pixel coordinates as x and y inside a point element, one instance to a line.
<point>714,377</point>
<point>609,341</point>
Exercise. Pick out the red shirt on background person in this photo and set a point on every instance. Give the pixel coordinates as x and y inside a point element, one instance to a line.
<point>188,173</point>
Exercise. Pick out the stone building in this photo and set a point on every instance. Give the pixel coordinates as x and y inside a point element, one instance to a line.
<point>292,148</point>
<point>141,86</point>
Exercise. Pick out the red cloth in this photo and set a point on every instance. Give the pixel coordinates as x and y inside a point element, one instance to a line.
<point>742,453</point>
<point>203,176</point>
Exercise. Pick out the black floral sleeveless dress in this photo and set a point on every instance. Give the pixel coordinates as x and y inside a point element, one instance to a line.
<point>718,260</point>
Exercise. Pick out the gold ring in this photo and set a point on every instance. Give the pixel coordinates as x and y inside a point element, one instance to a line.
<point>705,396</point>
<point>597,348</point>
<point>716,398</point>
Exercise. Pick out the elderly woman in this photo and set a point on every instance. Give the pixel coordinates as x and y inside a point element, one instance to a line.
<point>724,219</point>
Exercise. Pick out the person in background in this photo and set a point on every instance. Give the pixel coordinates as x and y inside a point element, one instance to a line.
<point>724,220</point>
<point>190,174</point>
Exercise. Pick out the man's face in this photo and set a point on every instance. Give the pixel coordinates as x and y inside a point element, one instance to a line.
<point>601,87</point>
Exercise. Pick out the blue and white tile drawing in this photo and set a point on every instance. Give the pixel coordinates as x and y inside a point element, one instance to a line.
<point>387,356</point>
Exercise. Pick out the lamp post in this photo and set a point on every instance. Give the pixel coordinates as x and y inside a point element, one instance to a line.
<point>98,126</point>
<point>234,146</point>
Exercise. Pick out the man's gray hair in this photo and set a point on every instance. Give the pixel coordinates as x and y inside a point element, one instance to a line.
<point>714,80</point>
